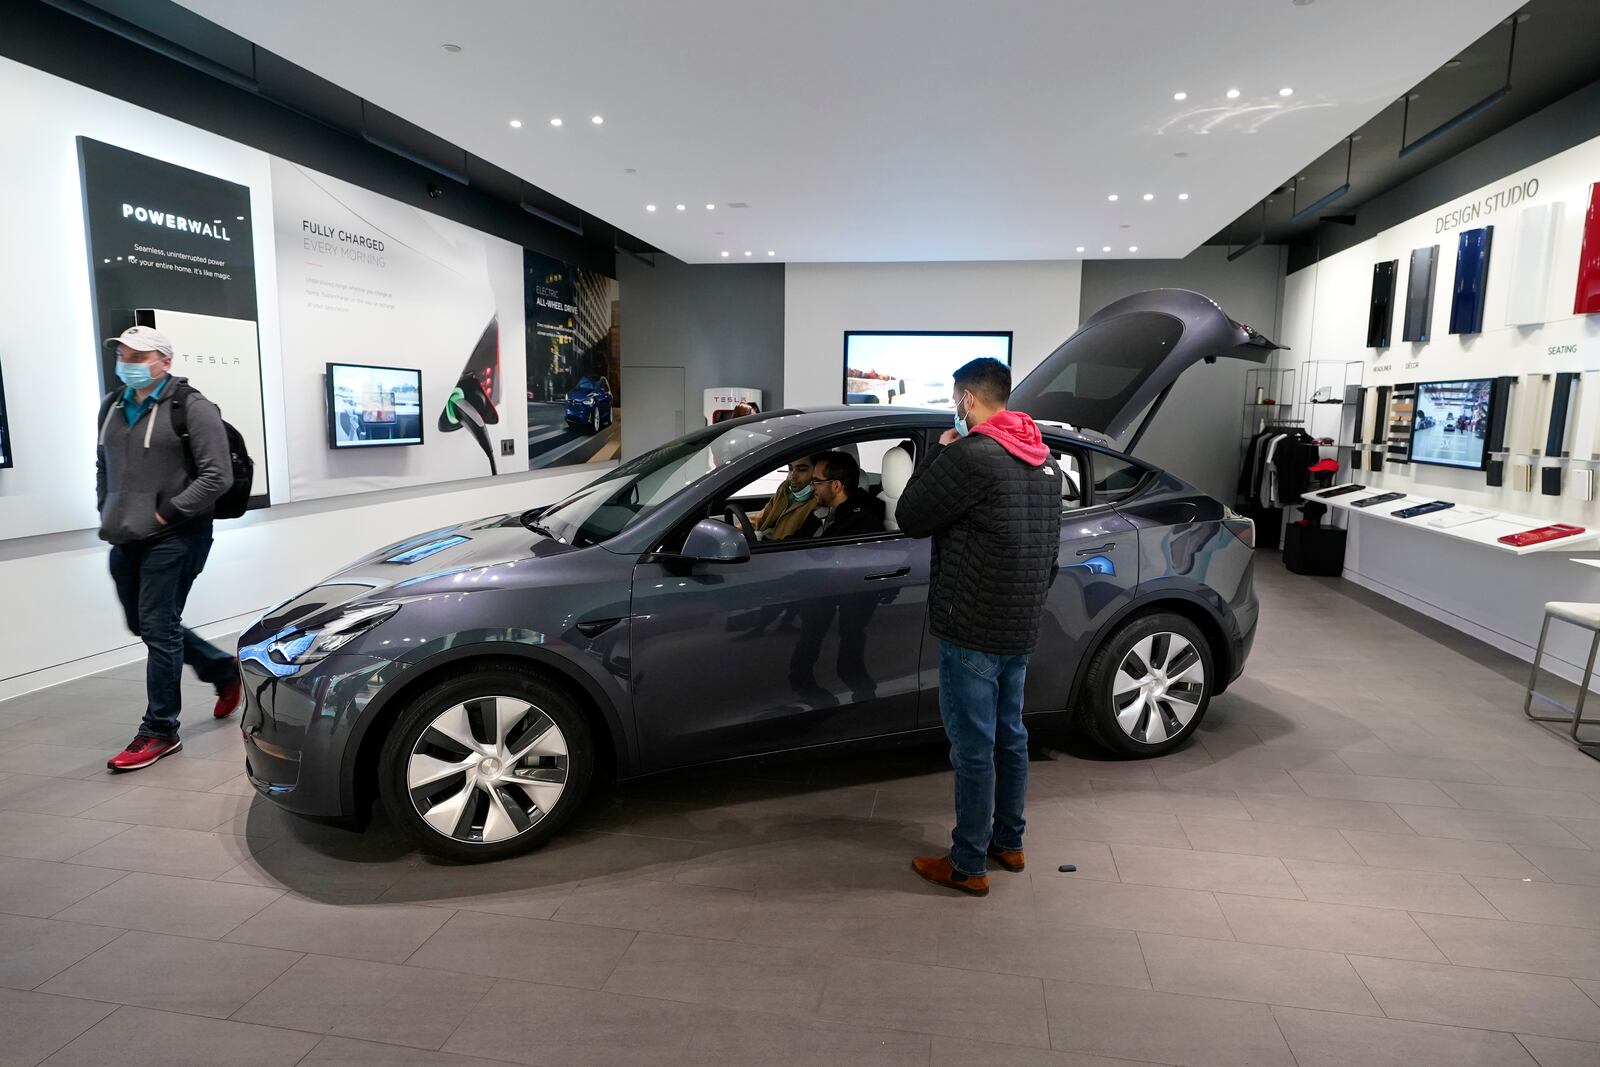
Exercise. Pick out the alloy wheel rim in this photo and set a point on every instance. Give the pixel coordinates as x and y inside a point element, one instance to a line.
<point>1158,687</point>
<point>487,770</point>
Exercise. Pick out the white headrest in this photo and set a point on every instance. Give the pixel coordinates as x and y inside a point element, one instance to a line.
<point>897,469</point>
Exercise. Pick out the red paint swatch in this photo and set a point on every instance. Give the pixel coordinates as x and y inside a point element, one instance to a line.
<point>1588,299</point>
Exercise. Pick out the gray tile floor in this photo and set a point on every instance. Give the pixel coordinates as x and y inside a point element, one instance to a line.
<point>1367,857</point>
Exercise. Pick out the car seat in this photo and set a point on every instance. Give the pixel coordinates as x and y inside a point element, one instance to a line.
<point>1070,491</point>
<point>897,467</point>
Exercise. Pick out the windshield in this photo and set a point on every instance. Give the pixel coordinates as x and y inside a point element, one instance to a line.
<point>619,500</point>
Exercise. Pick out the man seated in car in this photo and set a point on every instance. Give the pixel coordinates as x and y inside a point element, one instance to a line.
<point>791,506</point>
<point>852,511</point>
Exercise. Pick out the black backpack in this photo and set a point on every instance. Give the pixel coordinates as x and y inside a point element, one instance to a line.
<point>235,500</point>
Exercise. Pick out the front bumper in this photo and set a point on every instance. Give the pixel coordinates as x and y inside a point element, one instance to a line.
<point>298,728</point>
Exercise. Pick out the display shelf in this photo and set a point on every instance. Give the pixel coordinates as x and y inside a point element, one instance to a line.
<point>1481,532</point>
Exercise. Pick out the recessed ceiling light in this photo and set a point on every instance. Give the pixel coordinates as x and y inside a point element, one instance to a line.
<point>711,207</point>
<point>630,170</point>
<point>683,207</point>
<point>1233,94</point>
<point>1286,91</point>
<point>1180,96</point>
<point>555,122</point>
<point>1149,196</point>
<point>1105,248</point>
<point>598,120</point>
<point>770,252</point>
<point>1183,196</point>
<point>1080,248</point>
<point>1113,196</point>
<point>649,207</point>
<point>747,252</point>
<point>516,124</point>
<point>451,48</point>
<point>724,255</point>
<point>1133,248</point>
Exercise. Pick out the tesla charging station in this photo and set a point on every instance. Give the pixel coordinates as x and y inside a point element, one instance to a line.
<point>721,399</point>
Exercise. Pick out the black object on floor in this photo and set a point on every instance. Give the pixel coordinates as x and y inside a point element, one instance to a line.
<point>1066,868</point>
<point>1314,550</point>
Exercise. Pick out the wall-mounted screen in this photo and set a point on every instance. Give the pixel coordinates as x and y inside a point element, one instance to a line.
<point>5,428</point>
<point>1451,425</point>
<point>1380,316</point>
<point>373,406</point>
<point>1472,275</point>
<point>913,369</point>
<point>1419,293</point>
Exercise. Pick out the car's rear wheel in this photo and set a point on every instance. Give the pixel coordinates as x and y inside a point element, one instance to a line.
<point>1147,688</point>
<point>486,764</point>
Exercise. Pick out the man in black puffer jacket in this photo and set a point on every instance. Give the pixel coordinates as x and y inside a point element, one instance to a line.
<point>990,497</point>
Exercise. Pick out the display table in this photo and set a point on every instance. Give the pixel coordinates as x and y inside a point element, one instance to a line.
<point>1485,532</point>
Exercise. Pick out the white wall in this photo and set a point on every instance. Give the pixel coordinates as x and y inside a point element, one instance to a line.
<point>1036,300</point>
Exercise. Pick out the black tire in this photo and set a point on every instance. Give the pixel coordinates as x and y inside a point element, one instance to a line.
<point>465,689</point>
<point>594,420</point>
<point>1161,717</point>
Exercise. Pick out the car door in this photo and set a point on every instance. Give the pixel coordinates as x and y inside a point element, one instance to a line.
<point>808,642</point>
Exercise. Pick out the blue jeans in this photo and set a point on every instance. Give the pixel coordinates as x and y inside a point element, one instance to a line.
<point>153,580</point>
<point>980,701</point>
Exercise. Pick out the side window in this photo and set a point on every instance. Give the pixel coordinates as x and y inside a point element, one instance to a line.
<point>883,466</point>
<point>1074,487</point>
<point>1114,478</point>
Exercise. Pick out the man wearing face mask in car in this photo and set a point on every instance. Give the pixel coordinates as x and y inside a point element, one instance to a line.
<point>790,506</point>
<point>156,489</point>
<point>990,497</point>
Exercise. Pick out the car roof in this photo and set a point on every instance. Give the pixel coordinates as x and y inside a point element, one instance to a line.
<point>865,416</point>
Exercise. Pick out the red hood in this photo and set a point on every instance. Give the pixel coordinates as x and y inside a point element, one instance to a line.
<point>1017,434</point>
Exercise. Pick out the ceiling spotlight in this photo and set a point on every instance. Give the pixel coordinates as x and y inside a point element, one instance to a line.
<point>1183,196</point>
<point>451,48</point>
<point>1113,196</point>
<point>598,120</point>
<point>724,255</point>
<point>711,207</point>
<point>1105,248</point>
<point>516,124</point>
<point>649,207</point>
<point>1233,94</point>
<point>770,252</point>
<point>1080,248</point>
<point>1286,91</point>
<point>1180,96</point>
<point>555,122</point>
<point>1149,196</point>
<point>747,252</point>
<point>682,207</point>
<point>1133,248</point>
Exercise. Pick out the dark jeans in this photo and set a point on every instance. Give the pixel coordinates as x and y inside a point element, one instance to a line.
<point>153,579</point>
<point>980,701</point>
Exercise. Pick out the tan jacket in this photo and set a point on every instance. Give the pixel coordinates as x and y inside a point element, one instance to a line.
<point>783,517</point>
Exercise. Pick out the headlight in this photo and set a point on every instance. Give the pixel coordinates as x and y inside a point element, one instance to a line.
<point>299,647</point>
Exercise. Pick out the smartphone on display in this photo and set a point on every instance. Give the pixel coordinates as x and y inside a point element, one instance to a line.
<point>1341,490</point>
<point>1540,535</point>
<point>1459,517</point>
<point>1381,498</point>
<point>1423,509</point>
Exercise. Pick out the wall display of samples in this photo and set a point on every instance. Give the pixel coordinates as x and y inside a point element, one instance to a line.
<point>1532,260</point>
<point>1472,275</point>
<point>1419,294</point>
<point>1380,312</point>
<point>1402,410</point>
<point>1587,300</point>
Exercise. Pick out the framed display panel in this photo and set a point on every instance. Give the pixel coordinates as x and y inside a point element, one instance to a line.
<point>914,368</point>
<point>1380,313</point>
<point>1532,257</point>
<point>373,407</point>
<point>1451,423</point>
<point>1587,300</point>
<point>1419,293</point>
<point>5,428</point>
<point>1472,275</point>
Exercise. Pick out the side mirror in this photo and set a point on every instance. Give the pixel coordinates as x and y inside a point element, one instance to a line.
<point>711,541</point>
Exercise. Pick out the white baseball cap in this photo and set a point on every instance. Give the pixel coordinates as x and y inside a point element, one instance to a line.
<point>143,339</point>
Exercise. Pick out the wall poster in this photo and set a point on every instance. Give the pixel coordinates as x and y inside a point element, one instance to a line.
<point>573,322</point>
<point>171,248</point>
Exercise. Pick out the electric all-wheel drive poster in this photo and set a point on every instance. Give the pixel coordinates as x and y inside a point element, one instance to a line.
<point>171,248</point>
<point>574,364</point>
<point>368,281</point>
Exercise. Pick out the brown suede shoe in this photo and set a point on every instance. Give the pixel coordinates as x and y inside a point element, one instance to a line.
<point>937,869</point>
<point>1011,861</point>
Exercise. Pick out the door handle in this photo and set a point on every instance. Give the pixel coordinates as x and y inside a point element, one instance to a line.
<point>1107,547</point>
<point>901,573</point>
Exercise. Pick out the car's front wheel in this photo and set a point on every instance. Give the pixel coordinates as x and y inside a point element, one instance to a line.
<point>486,764</point>
<point>1147,687</point>
<point>594,419</point>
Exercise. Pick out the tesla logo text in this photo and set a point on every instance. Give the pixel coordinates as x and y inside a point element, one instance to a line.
<point>214,229</point>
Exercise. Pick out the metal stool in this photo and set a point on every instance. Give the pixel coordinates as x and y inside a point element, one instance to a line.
<point>1584,616</point>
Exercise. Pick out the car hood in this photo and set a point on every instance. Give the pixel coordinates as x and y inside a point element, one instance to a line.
<point>411,567</point>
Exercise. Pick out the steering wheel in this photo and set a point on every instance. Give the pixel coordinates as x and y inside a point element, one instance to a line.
<point>735,516</point>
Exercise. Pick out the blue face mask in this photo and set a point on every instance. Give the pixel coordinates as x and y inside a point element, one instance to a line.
<point>961,421</point>
<point>800,496</point>
<point>135,376</point>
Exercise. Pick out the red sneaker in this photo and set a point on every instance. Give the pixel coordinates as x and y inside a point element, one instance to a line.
<point>143,751</point>
<point>229,694</point>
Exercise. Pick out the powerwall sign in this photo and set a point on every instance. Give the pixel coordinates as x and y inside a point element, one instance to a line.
<point>1485,206</point>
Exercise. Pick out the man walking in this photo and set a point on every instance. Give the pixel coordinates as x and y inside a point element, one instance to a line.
<point>990,497</point>
<point>156,489</point>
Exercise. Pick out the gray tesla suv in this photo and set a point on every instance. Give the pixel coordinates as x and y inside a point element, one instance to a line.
<point>476,677</point>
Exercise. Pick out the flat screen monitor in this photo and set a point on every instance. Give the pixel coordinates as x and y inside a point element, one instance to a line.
<point>1450,423</point>
<point>914,368</point>
<point>373,407</point>
<point>5,429</point>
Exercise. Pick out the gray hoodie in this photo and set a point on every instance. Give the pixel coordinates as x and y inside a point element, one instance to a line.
<point>144,468</point>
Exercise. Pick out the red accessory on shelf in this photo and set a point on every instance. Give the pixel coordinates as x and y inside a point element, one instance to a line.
<point>1540,535</point>
<point>1324,465</point>
<point>1587,300</point>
